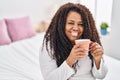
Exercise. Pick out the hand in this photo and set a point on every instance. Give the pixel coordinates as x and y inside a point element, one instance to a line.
<point>97,52</point>
<point>76,53</point>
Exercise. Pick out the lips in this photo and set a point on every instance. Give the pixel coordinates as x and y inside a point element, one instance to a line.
<point>74,33</point>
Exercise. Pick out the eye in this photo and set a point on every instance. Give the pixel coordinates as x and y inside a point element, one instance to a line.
<point>80,24</point>
<point>71,23</point>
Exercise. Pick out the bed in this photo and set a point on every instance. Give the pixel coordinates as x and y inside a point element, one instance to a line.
<point>113,68</point>
<point>20,61</point>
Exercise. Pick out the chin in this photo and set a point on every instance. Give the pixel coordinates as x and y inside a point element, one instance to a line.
<point>73,39</point>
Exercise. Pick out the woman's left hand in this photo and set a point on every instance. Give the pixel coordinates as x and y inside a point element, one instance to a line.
<point>96,51</point>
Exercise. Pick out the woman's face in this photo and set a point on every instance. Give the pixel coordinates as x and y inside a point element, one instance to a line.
<point>74,26</point>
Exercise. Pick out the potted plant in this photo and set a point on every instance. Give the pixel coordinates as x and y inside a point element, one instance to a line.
<point>103,28</point>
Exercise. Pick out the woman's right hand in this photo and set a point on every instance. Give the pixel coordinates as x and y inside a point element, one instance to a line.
<point>76,53</point>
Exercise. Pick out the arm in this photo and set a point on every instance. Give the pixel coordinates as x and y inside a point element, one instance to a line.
<point>99,69</point>
<point>101,72</point>
<point>50,71</point>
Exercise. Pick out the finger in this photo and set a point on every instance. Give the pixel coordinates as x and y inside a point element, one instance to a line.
<point>92,44</point>
<point>97,52</point>
<point>95,46</point>
<point>81,55</point>
<point>76,46</point>
<point>97,49</point>
<point>79,50</point>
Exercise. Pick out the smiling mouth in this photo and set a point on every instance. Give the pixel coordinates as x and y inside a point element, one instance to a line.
<point>74,33</point>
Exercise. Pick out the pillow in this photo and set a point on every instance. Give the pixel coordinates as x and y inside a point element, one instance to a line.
<point>20,28</point>
<point>4,37</point>
<point>45,25</point>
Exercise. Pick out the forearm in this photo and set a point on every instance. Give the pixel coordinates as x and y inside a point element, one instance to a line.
<point>99,69</point>
<point>97,63</point>
<point>61,73</point>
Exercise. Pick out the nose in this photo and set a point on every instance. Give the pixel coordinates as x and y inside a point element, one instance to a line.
<point>75,27</point>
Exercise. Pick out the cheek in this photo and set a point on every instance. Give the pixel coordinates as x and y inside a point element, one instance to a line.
<point>81,30</point>
<point>67,30</point>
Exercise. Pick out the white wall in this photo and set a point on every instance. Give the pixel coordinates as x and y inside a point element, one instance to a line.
<point>115,29</point>
<point>36,9</point>
<point>111,42</point>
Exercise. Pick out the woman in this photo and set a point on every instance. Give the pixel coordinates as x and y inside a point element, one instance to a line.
<point>61,58</point>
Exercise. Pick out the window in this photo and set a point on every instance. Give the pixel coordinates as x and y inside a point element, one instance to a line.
<point>101,10</point>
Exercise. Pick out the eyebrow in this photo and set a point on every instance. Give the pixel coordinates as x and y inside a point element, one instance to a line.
<point>70,20</point>
<point>74,21</point>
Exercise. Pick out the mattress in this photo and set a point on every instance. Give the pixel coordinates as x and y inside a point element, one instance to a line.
<point>20,60</point>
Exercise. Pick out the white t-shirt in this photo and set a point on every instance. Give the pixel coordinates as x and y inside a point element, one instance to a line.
<point>85,71</point>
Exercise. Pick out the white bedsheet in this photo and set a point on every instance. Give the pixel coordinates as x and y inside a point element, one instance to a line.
<point>113,68</point>
<point>20,60</point>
